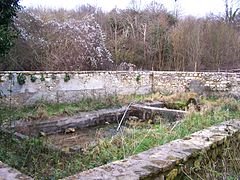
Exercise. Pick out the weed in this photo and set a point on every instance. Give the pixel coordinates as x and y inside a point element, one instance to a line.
<point>138,78</point>
<point>33,78</point>
<point>225,166</point>
<point>53,76</point>
<point>42,78</point>
<point>44,110</point>
<point>1,80</point>
<point>67,77</point>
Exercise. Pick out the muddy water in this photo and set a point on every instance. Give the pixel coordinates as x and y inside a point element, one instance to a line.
<point>82,138</point>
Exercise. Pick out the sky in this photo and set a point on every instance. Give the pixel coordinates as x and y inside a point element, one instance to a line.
<point>187,7</point>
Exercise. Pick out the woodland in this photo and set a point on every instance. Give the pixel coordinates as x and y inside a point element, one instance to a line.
<point>149,38</point>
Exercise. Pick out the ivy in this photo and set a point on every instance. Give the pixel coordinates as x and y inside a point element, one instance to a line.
<point>138,77</point>
<point>8,10</point>
<point>42,78</point>
<point>1,81</point>
<point>21,79</point>
<point>67,77</point>
<point>33,78</point>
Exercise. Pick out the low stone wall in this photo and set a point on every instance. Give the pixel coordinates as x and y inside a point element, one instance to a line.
<point>7,173</point>
<point>60,124</point>
<point>25,88</point>
<point>169,160</point>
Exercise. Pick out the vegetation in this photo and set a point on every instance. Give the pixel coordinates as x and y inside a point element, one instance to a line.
<point>67,77</point>
<point>42,78</point>
<point>8,10</point>
<point>152,38</point>
<point>43,110</point>
<point>33,158</point>
<point>21,79</point>
<point>225,167</point>
<point>33,78</point>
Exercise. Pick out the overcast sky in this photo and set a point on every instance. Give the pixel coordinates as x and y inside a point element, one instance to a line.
<point>188,7</point>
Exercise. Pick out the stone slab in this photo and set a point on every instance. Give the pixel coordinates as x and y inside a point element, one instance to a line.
<point>147,112</point>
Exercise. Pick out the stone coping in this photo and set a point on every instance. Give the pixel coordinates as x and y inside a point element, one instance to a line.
<point>89,72</point>
<point>157,161</point>
<point>8,173</point>
<point>56,86</point>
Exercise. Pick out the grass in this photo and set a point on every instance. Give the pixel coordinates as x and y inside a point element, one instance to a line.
<point>44,110</point>
<point>225,167</point>
<point>34,159</point>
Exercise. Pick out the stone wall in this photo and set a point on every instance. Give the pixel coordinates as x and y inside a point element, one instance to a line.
<point>8,173</point>
<point>26,88</point>
<point>200,82</point>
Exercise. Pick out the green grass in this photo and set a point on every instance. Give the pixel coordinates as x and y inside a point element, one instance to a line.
<point>225,167</point>
<point>32,158</point>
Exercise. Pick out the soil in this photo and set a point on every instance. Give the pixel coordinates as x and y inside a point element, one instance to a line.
<point>82,137</point>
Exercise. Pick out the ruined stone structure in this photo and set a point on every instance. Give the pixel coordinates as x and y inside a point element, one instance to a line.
<point>163,162</point>
<point>26,88</point>
<point>169,160</point>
